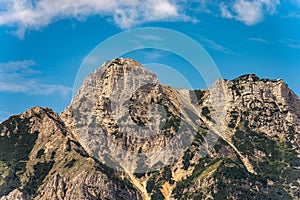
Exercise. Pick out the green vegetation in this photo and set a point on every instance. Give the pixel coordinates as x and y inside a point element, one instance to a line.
<point>278,155</point>
<point>179,190</point>
<point>205,111</point>
<point>231,177</point>
<point>172,122</point>
<point>188,155</point>
<point>274,163</point>
<point>235,88</point>
<point>151,184</point>
<point>41,170</point>
<point>20,143</point>
<point>233,119</point>
<point>157,195</point>
<point>111,174</point>
<point>167,175</point>
<point>221,173</point>
<point>157,179</point>
<point>53,155</point>
<point>236,181</point>
<point>40,153</point>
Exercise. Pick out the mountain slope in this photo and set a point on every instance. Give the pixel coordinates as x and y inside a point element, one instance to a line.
<point>40,159</point>
<point>237,140</point>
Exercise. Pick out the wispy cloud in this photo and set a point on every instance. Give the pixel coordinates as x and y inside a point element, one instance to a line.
<point>20,77</point>
<point>155,54</point>
<point>29,14</point>
<point>260,40</point>
<point>295,44</point>
<point>23,15</point>
<point>292,15</point>
<point>248,12</point>
<point>214,45</point>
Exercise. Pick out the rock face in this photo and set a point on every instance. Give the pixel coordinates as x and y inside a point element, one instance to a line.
<point>134,115</point>
<point>41,159</point>
<point>238,140</point>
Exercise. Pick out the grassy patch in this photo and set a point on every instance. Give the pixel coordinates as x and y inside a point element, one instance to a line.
<point>14,152</point>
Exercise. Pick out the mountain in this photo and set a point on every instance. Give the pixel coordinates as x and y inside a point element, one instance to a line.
<point>126,136</point>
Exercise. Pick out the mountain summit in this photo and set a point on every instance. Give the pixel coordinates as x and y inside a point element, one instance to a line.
<point>126,136</point>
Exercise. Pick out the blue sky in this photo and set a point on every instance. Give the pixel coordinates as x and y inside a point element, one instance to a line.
<point>44,42</point>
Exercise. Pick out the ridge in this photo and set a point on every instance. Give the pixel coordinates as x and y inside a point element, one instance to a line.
<point>256,152</point>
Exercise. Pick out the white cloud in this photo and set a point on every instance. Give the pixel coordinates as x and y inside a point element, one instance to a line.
<point>292,15</point>
<point>215,46</point>
<point>225,12</point>
<point>19,77</point>
<point>23,15</point>
<point>295,44</point>
<point>33,14</point>
<point>258,40</point>
<point>249,12</point>
<point>155,54</point>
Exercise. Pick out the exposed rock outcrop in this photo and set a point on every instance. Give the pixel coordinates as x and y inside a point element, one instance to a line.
<point>237,140</point>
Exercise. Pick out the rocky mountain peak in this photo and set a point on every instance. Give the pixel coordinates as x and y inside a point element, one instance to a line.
<point>116,67</point>
<point>247,78</point>
<point>121,110</point>
<point>126,61</point>
<point>41,112</point>
<point>41,159</point>
<point>270,105</point>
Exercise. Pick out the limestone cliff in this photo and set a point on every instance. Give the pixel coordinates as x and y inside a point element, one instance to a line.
<point>237,140</point>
